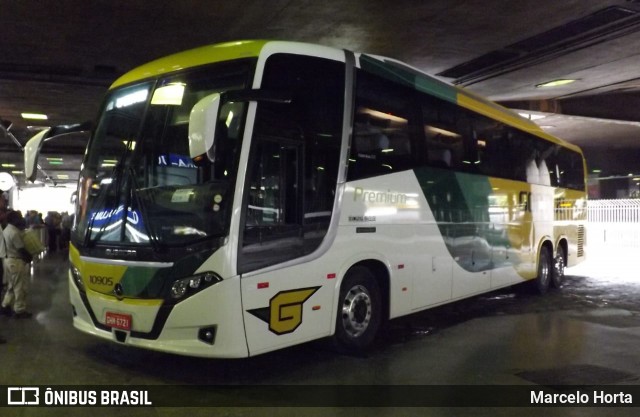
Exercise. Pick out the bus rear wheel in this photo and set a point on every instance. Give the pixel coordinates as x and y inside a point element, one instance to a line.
<point>359,310</point>
<point>559,264</point>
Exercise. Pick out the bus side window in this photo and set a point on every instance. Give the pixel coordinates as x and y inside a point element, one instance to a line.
<point>381,142</point>
<point>443,141</point>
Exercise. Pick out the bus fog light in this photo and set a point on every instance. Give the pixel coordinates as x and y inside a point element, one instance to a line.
<point>207,334</point>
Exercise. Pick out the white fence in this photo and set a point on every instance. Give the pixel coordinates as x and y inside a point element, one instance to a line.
<point>613,225</point>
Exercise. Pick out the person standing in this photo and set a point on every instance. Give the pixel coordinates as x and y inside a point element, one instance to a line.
<point>3,254</point>
<point>16,268</point>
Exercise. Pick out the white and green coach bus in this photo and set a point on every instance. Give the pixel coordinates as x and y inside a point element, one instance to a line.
<point>244,197</point>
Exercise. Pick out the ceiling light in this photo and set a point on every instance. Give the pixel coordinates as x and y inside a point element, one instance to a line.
<point>8,165</point>
<point>34,116</point>
<point>170,95</point>
<point>555,83</point>
<point>438,131</point>
<point>531,116</point>
<point>380,115</point>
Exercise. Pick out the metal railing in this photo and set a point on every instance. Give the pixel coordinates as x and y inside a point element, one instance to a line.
<point>613,224</point>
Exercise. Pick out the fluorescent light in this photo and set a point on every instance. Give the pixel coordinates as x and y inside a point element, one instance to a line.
<point>34,116</point>
<point>130,99</point>
<point>531,116</point>
<point>438,131</point>
<point>8,165</point>
<point>381,115</point>
<point>555,83</point>
<point>170,95</point>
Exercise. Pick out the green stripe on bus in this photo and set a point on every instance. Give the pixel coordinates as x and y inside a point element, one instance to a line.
<point>459,203</point>
<point>410,77</point>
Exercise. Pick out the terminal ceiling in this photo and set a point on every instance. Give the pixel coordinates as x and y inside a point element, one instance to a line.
<point>58,58</point>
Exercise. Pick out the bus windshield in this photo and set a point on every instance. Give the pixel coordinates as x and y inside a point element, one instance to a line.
<point>139,184</point>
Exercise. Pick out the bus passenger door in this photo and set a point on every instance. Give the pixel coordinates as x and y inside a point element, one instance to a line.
<point>278,305</point>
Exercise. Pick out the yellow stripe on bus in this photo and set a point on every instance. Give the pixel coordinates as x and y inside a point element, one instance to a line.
<point>195,57</point>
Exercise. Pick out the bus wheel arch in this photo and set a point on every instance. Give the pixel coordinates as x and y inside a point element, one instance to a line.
<point>363,305</point>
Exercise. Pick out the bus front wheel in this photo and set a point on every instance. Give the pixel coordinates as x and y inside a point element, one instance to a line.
<point>359,310</point>
<point>545,268</point>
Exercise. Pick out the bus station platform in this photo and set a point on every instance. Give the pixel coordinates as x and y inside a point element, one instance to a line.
<point>586,334</point>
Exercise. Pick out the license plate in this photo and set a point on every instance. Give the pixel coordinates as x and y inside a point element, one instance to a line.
<point>119,321</point>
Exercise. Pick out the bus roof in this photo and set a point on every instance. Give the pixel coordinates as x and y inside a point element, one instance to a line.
<point>398,70</point>
<point>194,57</point>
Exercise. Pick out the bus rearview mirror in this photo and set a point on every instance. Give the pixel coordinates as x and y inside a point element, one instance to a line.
<point>34,145</point>
<point>31,152</point>
<point>202,124</point>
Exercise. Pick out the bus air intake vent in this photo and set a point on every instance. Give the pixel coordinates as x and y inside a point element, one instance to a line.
<point>580,241</point>
<point>604,25</point>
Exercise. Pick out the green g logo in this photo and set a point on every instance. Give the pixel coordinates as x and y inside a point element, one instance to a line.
<point>284,314</point>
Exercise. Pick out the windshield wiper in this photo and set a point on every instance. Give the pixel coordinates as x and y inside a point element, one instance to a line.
<point>117,179</point>
<point>153,239</point>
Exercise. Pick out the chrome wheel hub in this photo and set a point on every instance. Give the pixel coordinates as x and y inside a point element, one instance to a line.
<point>356,311</point>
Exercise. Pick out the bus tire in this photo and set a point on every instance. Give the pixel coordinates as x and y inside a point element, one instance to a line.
<point>559,264</point>
<point>359,310</point>
<point>545,267</point>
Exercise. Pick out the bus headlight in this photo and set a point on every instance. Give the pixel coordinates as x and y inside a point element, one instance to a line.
<point>186,287</point>
<point>77,278</point>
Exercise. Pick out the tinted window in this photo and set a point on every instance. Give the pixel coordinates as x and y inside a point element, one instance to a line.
<point>381,141</point>
<point>293,168</point>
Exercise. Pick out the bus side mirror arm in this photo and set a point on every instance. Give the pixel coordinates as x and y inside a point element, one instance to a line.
<point>33,146</point>
<point>204,115</point>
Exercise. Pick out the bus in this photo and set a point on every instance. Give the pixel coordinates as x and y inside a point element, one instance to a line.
<point>244,197</point>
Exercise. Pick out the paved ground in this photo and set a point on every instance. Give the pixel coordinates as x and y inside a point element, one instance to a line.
<point>586,333</point>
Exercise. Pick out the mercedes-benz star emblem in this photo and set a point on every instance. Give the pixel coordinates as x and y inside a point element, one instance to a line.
<point>118,291</point>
